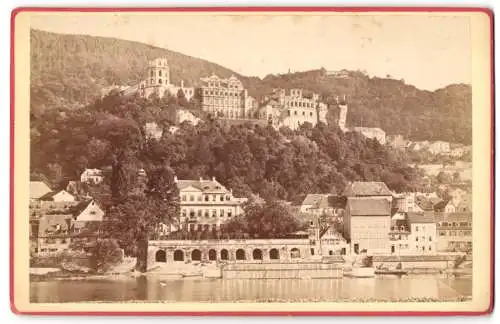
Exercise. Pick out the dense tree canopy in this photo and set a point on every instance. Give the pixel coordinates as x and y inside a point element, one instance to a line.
<point>247,158</point>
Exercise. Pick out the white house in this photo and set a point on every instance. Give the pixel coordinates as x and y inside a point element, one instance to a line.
<point>92,176</point>
<point>422,238</point>
<point>89,211</point>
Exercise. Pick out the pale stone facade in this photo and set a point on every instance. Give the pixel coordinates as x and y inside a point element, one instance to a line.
<point>205,205</point>
<point>158,81</point>
<point>229,250</point>
<point>91,176</point>
<point>296,109</point>
<point>226,98</point>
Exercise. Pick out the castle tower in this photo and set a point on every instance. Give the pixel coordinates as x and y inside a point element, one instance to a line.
<point>158,72</point>
<point>343,113</point>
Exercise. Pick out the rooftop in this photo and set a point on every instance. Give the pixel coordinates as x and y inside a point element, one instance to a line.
<point>369,206</point>
<point>38,189</point>
<point>421,218</point>
<point>201,184</point>
<point>359,188</point>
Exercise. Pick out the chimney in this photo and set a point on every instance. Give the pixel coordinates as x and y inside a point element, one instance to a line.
<point>337,99</point>
<point>213,179</point>
<point>201,179</point>
<point>175,179</point>
<point>182,83</point>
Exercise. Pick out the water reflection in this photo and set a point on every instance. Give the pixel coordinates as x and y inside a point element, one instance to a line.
<point>217,290</point>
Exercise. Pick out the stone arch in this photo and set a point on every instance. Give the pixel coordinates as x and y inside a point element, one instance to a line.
<point>274,254</point>
<point>212,255</point>
<point>240,254</point>
<point>224,254</point>
<point>161,256</point>
<point>294,253</point>
<point>196,255</point>
<point>257,254</point>
<point>178,255</point>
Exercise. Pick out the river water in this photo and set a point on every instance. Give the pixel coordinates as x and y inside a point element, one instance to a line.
<point>246,290</point>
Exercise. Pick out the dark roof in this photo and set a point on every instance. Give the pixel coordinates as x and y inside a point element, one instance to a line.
<point>80,207</point>
<point>424,203</point>
<point>360,188</point>
<point>454,217</point>
<point>312,199</point>
<point>202,184</point>
<point>441,205</point>
<point>48,223</point>
<point>369,206</point>
<point>38,189</point>
<point>421,218</point>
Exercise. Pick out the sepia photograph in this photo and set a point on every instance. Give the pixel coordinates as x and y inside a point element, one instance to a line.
<point>323,160</point>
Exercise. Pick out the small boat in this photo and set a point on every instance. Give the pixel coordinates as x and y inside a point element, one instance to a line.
<point>391,272</point>
<point>359,272</point>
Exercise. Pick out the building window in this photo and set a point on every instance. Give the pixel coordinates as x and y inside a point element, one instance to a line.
<point>192,213</point>
<point>430,238</point>
<point>183,197</point>
<point>200,213</point>
<point>221,198</point>
<point>159,81</point>
<point>416,239</point>
<point>184,213</point>
<point>295,112</point>
<point>229,213</point>
<point>191,198</point>
<point>206,198</point>
<point>214,213</point>
<point>416,228</point>
<point>159,73</point>
<point>214,198</point>
<point>312,251</point>
<point>222,213</point>
<point>228,198</point>
<point>206,214</point>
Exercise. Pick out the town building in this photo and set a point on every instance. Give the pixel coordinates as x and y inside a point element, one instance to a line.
<point>158,81</point>
<point>52,231</point>
<point>423,232</point>
<point>399,234</point>
<point>367,219</point>
<point>92,176</point>
<point>367,223</point>
<point>454,232</point>
<point>38,189</point>
<point>439,147</point>
<point>205,205</point>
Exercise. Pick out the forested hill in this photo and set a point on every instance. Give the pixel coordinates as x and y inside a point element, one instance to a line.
<point>393,105</point>
<point>69,70</point>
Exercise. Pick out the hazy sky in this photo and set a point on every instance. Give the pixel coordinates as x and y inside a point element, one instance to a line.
<point>429,52</point>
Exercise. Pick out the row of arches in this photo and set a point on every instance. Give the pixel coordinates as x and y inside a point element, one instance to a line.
<point>240,254</point>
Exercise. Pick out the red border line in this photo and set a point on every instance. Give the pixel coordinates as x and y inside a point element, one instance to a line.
<point>486,11</point>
